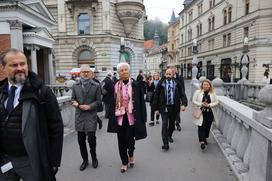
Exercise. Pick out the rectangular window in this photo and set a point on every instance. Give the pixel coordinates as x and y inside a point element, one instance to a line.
<point>200,29</point>
<point>189,51</point>
<point>210,24</point>
<point>213,21</point>
<point>229,39</point>
<point>181,38</point>
<point>191,16</point>
<point>211,44</point>
<point>224,40</point>
<point>173,46</point>
<point>230,14</point>
<point>247,7</point>
<point>245,32</point>
<point>200,9</point>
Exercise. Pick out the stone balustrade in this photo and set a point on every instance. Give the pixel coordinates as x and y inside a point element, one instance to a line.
<point>67,112</point>
<point>245,135</point>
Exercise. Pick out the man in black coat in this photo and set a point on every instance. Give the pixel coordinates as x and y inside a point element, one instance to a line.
<point>31,127</point>
<point>180,79</point>
<point>107,87</point>
<point>168,100</point>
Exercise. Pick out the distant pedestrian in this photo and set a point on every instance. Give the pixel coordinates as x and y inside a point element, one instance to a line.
<point>114,78</point>
<point>107,86</point>
<point>169,98</point>
<point>180,79</point>
<point>127,115</point>
<point>31,128</point>
<point>99,121</point>
<point>266,78</point>
<point>205,99</point>
<point>153,86</point>
<point>141,81</point>
<point>86,98</point>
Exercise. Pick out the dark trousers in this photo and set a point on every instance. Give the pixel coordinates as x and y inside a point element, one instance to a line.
<point>168,123</point>
<point>21,170</point>
<point>81,136</point>
<point>178,117</point>
<point>152,113</point>
<point>204,129</point>
<point>107,108</point>
<point>126,141</point>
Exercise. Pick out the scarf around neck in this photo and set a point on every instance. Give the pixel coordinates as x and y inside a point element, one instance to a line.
<point>119,105</point>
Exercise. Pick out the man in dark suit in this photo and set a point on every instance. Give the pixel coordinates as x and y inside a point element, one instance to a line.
<point>31,128</point>
<point>168,100</point>
<point>107,86</point>
<point>181,81</point>
<point>86,98</point>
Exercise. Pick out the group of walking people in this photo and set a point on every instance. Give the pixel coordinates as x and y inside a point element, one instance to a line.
<point>31,127</point>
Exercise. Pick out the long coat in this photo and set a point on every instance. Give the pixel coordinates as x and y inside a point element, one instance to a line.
<point>139,111</point>
<point>90,95</point>
<point>42,126</point>
<point>197,101</point>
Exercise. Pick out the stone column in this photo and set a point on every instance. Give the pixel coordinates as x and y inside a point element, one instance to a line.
<point>34,66</point>
<point>16,35</point>
<point>51,67</point>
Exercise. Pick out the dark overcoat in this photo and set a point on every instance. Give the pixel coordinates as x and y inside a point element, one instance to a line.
<point>139,111</point>
<point>42,126</point>
<point>91,95</point>
<point>159,99</point>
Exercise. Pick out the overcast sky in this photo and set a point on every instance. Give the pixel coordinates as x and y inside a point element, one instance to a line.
<point>162,8</point>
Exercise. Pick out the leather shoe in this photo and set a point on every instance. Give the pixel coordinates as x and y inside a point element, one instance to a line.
<point>178,127</point>
<point>84,165</point>
<point>170,140</point>
<point>95,163</point>
<point>165,147</point>
<point>202,146</point>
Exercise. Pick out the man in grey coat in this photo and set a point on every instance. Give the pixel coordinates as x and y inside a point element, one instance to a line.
<point>86,98</point>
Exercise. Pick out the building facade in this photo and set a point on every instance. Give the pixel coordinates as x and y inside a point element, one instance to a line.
<point>220,27</point>
<point>173,43</point>
<point>24,25</point>
<point>100,33</point>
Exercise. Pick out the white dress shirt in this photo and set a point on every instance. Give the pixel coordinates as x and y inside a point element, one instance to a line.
<point>17,94</point>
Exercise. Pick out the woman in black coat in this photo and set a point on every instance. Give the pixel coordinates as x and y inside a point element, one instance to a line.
<point>127,115</point>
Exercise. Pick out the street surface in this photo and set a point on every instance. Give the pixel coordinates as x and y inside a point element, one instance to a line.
<point>185,161</point>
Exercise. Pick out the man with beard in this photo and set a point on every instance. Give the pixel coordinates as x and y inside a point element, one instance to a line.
<point>168,100</point>
<point>31,127</point>
<point>181,81</point>
<point>86,98</point>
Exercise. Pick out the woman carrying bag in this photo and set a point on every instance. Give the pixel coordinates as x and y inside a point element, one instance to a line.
<point>205,99</point>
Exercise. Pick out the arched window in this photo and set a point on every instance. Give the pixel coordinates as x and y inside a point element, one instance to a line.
<point>230,13</point>
<point>83,22</point>
<point>225,16</point>
<point>86,57</point>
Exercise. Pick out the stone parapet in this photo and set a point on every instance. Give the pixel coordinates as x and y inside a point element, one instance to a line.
<point>244,140</point>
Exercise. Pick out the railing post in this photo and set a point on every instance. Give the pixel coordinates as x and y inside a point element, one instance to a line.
<point>217,83</point>
<point>261,160</point>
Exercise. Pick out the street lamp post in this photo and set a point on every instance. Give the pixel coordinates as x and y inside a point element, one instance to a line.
<point>195,81</point>
<point>241,93</point>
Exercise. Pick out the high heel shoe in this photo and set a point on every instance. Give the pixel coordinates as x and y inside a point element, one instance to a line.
<point>131,161</point>
<point>123,168</point>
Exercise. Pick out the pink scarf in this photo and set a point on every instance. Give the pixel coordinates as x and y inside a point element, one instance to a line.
<point>119,105</point>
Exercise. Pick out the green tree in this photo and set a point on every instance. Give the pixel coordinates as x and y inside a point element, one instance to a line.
<point>151,26</point>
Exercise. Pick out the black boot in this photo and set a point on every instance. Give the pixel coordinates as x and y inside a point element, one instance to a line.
<point>95,163</point>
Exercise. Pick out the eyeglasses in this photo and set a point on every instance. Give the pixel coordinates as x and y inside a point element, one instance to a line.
<point>85,72</point>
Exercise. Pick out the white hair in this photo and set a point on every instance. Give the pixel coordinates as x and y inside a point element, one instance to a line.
<point>123,64</point>
<point>85,67</point>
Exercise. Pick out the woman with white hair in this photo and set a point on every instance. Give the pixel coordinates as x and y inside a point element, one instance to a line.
<point>127,115</point>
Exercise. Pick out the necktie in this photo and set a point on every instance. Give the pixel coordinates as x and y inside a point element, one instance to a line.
<point>11,98</point>
<point>169,96</point>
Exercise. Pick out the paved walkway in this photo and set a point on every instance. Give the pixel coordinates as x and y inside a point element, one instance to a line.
<point>185,161</point>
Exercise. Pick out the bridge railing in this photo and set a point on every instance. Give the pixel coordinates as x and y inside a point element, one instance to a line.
<point>245,135</point>
<point>243,91</point>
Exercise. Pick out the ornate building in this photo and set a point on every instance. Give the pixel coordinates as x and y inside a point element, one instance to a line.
<point>24,25</point>
<point>220,27</point>
<point>100,33</point>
